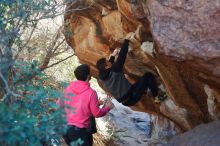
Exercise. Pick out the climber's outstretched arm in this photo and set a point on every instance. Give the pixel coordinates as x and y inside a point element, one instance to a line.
<point>119,63</point>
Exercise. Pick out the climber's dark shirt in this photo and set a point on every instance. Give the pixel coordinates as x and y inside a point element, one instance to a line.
<point>114,78</point>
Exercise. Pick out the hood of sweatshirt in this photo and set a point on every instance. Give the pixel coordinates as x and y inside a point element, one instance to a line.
<point>77,87</point>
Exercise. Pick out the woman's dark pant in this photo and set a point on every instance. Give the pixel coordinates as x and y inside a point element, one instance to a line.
<point>137,90</point>
<point>77,135</point>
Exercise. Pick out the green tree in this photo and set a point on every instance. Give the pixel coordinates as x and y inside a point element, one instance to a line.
<point>27,103</point>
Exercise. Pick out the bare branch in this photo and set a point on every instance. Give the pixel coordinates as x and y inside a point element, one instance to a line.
<point>1,52</point>
<point>8,91</point>
<point>62,13</point>
<point>58,53</point>
<point>55,49</point>
<point>59,61</point>
<point>28,40</point>
<point>54,41</point>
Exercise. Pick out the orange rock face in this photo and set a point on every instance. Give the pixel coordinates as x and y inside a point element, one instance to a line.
<point>184,38</point>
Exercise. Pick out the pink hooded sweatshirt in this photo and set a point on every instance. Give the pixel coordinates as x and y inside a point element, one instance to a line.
<point>80,102</point>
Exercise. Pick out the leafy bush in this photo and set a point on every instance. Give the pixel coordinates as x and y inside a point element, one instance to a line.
<point>33,117</point>
<point>28,111</point>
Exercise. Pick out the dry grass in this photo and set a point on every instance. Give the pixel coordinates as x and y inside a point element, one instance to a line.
<point>100,141</point>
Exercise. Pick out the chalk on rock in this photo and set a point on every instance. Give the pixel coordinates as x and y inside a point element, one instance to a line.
<point>147,47</point>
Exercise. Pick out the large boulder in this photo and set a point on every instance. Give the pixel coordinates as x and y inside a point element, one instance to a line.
<point>178,41</point>
<point>202,135</point>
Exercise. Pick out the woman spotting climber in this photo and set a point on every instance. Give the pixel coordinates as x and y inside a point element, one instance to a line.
<point>112,76</point>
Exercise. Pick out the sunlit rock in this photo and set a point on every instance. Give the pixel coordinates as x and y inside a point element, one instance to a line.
<point>185,55</point>
<point>213,102</point>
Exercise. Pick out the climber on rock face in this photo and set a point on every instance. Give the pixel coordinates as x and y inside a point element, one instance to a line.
<point>112,76</point>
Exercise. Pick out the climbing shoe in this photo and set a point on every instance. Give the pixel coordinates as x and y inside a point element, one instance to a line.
<point>157,100</point>
<point>160,98</point>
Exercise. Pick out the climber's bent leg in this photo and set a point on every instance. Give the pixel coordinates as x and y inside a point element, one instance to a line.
<point>151,83</point>
<point>137,90</point>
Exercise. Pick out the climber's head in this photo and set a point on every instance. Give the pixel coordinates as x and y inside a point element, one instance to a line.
<point>103,64</point>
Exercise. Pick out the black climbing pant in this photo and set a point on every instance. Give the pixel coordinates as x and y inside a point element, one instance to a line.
<point>134,94</point>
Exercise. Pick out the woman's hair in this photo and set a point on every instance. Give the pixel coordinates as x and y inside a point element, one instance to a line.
<point>100,64</point>
<point>82,72</point>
